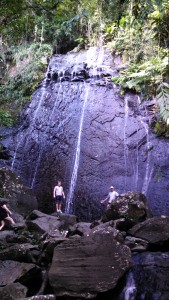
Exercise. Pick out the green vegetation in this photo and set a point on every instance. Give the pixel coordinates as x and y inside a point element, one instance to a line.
<point>27,67</point>
<point>137,30</point>
<point>142,41</point>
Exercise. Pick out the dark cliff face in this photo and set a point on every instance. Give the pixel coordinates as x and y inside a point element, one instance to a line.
<point>80,129</point>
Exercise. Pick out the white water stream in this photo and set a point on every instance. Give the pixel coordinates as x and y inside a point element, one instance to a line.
<point>77,155</point>
<point>148,171</point>
<point>42,142</point>
<point>96,59</point>
<point>20,140</point>
<point>126,114</point>
<point>130,289</point>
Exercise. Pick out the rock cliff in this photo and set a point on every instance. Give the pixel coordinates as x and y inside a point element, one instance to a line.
<point>81,129</point>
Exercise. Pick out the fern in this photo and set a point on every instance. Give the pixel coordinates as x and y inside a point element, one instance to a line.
<point>163,100</point>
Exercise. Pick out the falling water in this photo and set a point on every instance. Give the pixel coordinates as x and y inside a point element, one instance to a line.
<point>39,105</point>
<point>15,153</point>
<point>77,155</point>
<point>43,139</point>
<point>148,172</point>
<point>126,114</point>
<point>137,164</point>
<point>18,143</point>
<point>36,168</point>
<point>95,59</point>
<point>130,289</point>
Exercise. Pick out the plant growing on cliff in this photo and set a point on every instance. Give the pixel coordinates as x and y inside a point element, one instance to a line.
<point>21,79</point>
<point>163,100</point>
<point>143,47</point>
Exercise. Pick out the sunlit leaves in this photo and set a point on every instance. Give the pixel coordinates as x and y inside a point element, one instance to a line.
<point>163,100</point>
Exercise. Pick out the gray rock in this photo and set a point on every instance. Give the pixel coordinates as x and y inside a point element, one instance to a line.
<point>36,214</point>
<point>11,271</point>
<point>18,252</point>
<point>81,229</point>
<point>136,244</point>
<point>5,234</point>
<point>45,223</point>
<point>95,264</point>
<point>104,230</point>
<point>13,291</point>
<point>66,221</point>
<point>132,207</point>
<point>154,230</point>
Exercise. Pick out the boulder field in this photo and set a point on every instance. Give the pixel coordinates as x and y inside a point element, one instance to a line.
<point>50,256</point>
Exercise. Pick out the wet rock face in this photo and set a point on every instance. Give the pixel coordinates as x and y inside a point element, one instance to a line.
<point>116,145</point>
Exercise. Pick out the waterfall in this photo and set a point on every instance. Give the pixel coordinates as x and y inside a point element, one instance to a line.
<point>15,153</point>
<point>20,140</point>
<point>77,155</point>
<point>36,168</point>
<point>126,114</point>
<point>94,58</point>
<point>42,142</point>
<point>137,164</point>
<point>43,91</point>
<point>130,290</point>
<point>148,172</point>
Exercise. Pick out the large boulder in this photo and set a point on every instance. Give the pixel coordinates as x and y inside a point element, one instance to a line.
<point>86,266</point>
<point>42,223</point>
<point>55,225</point>
<point>131,207</point>
<point>154,230</point>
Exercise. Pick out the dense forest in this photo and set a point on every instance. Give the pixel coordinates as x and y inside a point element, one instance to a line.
<point>32,30</point>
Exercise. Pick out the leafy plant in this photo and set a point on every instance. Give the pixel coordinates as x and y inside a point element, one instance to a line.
<point>163,100</point>
<point>27,70</point>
